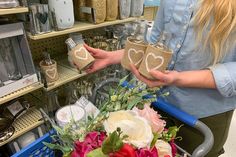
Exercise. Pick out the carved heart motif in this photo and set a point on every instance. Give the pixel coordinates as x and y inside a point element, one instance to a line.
<point>157,58</point>
<point>81,53</point>
<point>137,54</point>
<point>42,17</point>
<point>51,73</point>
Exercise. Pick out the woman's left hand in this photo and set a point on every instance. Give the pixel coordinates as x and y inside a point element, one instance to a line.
<point>161,78</point>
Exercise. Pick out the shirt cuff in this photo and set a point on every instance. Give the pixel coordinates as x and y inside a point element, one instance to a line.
<point>223,80</point>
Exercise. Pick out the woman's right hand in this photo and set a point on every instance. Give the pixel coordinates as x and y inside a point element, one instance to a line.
<point>102,58</point>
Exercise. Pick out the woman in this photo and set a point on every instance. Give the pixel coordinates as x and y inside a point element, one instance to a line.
<point>201,76</point>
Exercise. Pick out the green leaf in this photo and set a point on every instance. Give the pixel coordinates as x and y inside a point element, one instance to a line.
<point>134,102</point>
<point>112,143</point>
<point>154,140</point>
<point>96,153</point>
<point>123,80</point>
<point>64,149</point>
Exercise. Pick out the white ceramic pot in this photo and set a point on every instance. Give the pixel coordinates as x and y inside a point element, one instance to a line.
<point>70,112</point>
<point>62,13</point>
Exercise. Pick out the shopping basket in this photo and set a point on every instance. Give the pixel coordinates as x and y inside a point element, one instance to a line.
<point>37,148</point>
<point>100,93</point>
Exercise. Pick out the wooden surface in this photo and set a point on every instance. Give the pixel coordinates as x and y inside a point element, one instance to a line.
<point>80,26</point>
<point>14,10</point>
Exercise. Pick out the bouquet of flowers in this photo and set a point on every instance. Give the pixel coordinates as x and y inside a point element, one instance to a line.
<point>126,126</point>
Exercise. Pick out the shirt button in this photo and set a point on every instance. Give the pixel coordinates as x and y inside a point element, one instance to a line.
<point>185,27</point>
<point>178,46</point>
<point>172,62</point>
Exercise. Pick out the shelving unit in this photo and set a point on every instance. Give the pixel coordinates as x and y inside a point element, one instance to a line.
<point>30,120</point>
<point>66,74</point>
<point>21,92</point>
<point>14,10</point>
<point>80,26</point>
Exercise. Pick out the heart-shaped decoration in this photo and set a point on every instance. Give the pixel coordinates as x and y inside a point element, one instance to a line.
<point>51,73</point>
<point>43,17</point>
<point>157,58</point>
<point>139,54</point>
<point>81,53</point>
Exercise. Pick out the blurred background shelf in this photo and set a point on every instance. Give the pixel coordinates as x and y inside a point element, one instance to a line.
<point>28,121</point>
<point>80,26</point>
<point>14,10</point>
<point>66,74</point>
<point>21,92</point>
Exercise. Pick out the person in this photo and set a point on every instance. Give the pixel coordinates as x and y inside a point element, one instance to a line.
<point>201,77</point>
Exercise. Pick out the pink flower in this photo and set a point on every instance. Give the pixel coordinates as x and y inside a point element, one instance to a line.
<point>152,117</point>
<point>93,140</point>
<point>147,152</point>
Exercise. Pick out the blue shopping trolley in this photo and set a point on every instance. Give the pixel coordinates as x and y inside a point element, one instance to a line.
<point>38,149</point>
<point>100,94</point>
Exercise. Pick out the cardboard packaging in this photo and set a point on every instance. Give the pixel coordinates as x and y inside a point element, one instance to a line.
<point>155,58</point>
<point>134,52</point>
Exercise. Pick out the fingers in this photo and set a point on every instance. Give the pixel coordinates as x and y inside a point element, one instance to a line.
<point>93,51</point>
<point>150,83</point>
<point>163,77</point>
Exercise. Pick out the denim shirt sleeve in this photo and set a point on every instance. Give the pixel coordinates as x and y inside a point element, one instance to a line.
<point>225,78</point>
<point>158,24</point>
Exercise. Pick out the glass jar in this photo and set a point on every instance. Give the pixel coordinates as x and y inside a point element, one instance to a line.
<point>124,8</point>
<point>112,10</point>
<point>136,8</point>
<point>100,10</point>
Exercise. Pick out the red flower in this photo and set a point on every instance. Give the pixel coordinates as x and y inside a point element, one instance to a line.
<point>93,140</point>
<point>147,152</point>
<point>125,151</point>
<point>173,147</point>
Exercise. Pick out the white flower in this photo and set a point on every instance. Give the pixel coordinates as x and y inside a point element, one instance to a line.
<point>137,128</point>
<point>163,148</point>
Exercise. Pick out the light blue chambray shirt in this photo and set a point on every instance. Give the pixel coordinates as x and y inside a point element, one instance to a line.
<point>174,17</point>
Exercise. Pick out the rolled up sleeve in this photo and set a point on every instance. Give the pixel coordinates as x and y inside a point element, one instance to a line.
<point>158,24</point>
<point>225,78</point>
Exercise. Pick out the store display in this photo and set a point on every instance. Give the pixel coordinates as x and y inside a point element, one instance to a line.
<point>16,59</point>
<point>62,13</point>
<point>137,7</point>
<point>79,55</point>
<point>141,30</point>
<point>39,19</point>
<point>124,8</point>
<point>134,52</point>
<point>70,113</point>
<point>112,10</point>
<point>9,3</point>
<point>97,13</point>
<point>156,58</point>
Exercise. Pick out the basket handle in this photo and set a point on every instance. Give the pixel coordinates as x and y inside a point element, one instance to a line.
<point>208,142</point>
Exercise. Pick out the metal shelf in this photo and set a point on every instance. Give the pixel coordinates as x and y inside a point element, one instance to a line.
<point>80,26</point>
<point>30,120</point>
<point>66,74</point>
<point>14,10</point>
<point>21,92</point>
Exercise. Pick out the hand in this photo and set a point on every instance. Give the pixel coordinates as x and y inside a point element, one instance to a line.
<point>162,78</point>
<point>102,59</point>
